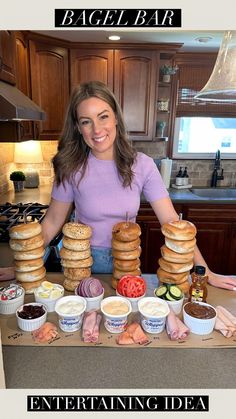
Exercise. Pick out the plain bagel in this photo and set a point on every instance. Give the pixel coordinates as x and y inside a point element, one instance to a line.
<point>131,255</point>
<point>175,267</point>
<point>179,230</point>
<point>181,246</point>
<point>75,244</point>
<point>30,254</point>
<point>25,231</point>
<point>70,285</point>
<point>30,287</point>
<point>114,282</point>
<point>26,244</point>
<point>74,255</point>
<point>126,265</point>
<point>77,273</point>
<point>77,231</point>
<point>28,265</point>
<point>172,256</point>
<point>170,277</point>
<point>126,231</point>
<point>125,246</point>
<point>31,276</point>
<point>83,263</point>
<point>118,274</point>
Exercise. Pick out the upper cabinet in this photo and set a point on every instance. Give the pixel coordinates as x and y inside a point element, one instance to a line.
<point>135,76</point>
<point>50,85</point>
<point>7,56</point>
<point>91,64</point>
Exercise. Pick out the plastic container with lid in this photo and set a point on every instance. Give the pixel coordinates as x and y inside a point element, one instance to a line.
<point>198,288</point>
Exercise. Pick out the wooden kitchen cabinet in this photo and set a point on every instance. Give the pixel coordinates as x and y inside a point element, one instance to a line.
<point>50,86</point>
<point>216,235</point>
<point>7,56</point>
<point>135,78</point>
<point>91,64</point>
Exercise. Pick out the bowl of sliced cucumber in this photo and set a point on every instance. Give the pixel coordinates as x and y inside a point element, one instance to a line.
<point>172,294</point>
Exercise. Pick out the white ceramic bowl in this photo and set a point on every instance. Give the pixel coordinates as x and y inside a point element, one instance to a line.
<point>28,325</point>
<point>115,323</point>
<point>199,326</point>
<point>10,306</point>
<point>70,322</point>
<point>176,305</point>
<point>48,301</point>
<point>153,323</point>
<point>93,303</point>
<point>133,301</point>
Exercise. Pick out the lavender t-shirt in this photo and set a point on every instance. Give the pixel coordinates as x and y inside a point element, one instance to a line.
<point>100,199</point>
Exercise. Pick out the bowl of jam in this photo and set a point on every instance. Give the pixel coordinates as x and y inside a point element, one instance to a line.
<point>31,316</point>
<point>199,317</point>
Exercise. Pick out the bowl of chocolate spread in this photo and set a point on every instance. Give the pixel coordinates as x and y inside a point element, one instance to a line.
<point>199,317</point>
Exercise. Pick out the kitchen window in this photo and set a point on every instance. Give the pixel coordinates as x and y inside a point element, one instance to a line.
<point>200,137</point>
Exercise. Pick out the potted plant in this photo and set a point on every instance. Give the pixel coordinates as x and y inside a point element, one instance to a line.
<point>18,179</point>
<point>168,70</point>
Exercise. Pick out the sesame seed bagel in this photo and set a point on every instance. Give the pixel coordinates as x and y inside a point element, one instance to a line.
<point>74,255</point>
<point>179,230</point>
<point>126,231</point>
<point>83,263</point>
<point>77,231</point>
<point>70,285</point>
<point>77,273</point>
<point>75,244</point>
<point>25,231</point>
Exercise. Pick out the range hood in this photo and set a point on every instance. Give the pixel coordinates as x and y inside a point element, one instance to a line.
<point>15,106</point>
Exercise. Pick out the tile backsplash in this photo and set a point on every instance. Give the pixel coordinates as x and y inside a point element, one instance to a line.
<point>200,171</point>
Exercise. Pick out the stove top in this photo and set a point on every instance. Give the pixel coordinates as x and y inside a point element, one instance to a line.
<point>13,214</point>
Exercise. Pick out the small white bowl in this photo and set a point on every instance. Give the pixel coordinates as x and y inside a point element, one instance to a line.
<point>28,325</point>
<point>115,323</point>
<point>93,303</point>
<point>197,325</point>
<point>10,306</point>
<point>176,305</point>
<point>153,323</point>
<point>70,322</point>
<point>48,302</point>
<point>133,301</point>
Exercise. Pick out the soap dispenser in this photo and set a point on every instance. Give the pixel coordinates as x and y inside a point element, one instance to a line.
<point>179,180</point>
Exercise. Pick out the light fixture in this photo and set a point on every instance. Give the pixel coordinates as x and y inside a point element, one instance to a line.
<point>203,39</point>
<point>221,86</point>
<point>114,38</point>
<point>29,152</point>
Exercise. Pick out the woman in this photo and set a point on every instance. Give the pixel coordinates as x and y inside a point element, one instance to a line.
<point>98,171</point>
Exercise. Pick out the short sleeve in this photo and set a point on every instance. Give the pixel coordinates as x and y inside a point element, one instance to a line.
<point>153,187</point>
<point>63,192</point>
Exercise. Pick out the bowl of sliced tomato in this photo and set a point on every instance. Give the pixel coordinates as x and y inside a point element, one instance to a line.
<point>133,288</point>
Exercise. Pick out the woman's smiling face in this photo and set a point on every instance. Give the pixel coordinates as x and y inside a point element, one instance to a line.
<point>97,124</point>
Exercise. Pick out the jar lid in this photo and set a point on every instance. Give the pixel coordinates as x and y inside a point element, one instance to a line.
<point>200,270</point>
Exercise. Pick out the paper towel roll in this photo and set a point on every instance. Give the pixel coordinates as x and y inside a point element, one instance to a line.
<point>166,165</point>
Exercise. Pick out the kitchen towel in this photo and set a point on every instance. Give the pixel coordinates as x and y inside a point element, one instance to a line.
<point>166,166</point>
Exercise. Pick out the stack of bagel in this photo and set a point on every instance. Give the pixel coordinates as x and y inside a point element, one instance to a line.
<point>27,243</point>
<point>75,254</point>
<point>177,253</point>
<point>126,250</point>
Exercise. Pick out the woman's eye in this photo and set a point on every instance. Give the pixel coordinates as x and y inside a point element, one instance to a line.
<point>104,116</point>
<point>84,122</point>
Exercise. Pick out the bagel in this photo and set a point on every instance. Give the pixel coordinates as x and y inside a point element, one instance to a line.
<point>30,254</point>
<point>77,273</point>
<point>126,265</point>
<point>184,286</point>
<point>25,231</point>
<point>179,230</point>
<point>26,244</point>
<point>70,285</point>
<point>74,255</point>
<point>172,256</point>
<point>131,255</point>
<point>118,274</point>
<point>170,277</point>
<point>77,231</point>
<point>75,244</point>
<point>28,265</point>
<point>114,282</point>
<point>30,287</point>
<point>179,246</point>
<point>126,231</point>
<point>32,276</point>
<point>83,263</point>
<point>125,246</point>
<point>175,267</point>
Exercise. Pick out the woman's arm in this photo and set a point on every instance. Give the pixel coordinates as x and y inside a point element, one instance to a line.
<point>165,213</point>
<point>57,215</point>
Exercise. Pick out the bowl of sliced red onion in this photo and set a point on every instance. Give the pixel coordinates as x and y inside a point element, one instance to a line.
<point>93,292</point>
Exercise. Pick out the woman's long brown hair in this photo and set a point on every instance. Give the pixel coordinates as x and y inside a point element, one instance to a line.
<point>72,154</point>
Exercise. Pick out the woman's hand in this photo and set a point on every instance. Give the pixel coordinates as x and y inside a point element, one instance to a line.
<point>6,274</point>
<point>221,281</point>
